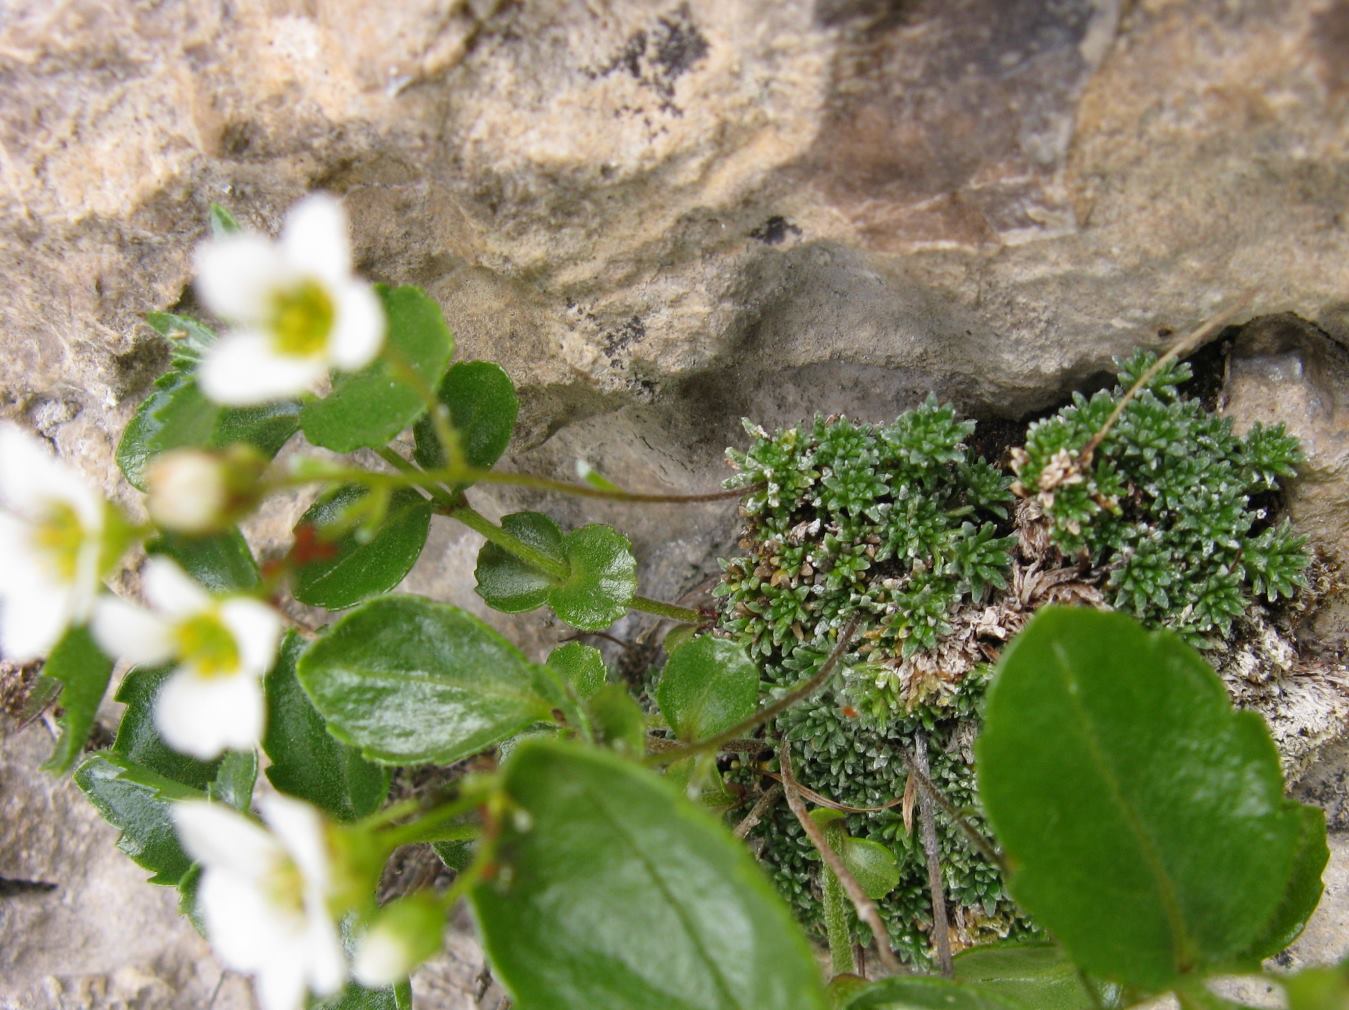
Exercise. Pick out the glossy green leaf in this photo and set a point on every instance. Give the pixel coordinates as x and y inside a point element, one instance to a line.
<point>616,891</point>
<point>602,579</point>
<point>597,589</point>
<point>1117,777</point>
<point>176,414</point>
<point>506,582</point>
<point>79,666</point>
<point>136,801</point>
<point>930,993</point>
<point>1303,890</point>
<point>483,406</point>
<point>409,681</point>
<point>455,855</point>
<point>362,563</point>
<point>234,781</point>
<point>222,562</point>
<point>368,408</point>
<point>708,686</point>
<point>873,864</point>
<point>1037,974</point>
<point>308,762</point>
<point>581,666</point>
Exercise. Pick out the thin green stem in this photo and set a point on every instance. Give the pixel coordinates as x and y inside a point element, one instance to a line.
<point>509,542</point>
<point>477,476</point>
<point>435,824</point>
<point>670,611</point>
<point>746,726</point>
<point>836,924</point>
<point>440,495</point>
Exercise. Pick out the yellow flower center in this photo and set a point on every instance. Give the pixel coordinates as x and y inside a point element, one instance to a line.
<point>302,319</point>
<point>60,535</point>
<point>204,643</point>
<point>284,885</point>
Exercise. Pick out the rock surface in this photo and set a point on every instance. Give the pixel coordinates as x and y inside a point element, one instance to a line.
<point>661,217</point>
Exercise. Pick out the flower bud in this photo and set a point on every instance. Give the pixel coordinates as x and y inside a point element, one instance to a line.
<point>193,491</point>
<point>404,933</point>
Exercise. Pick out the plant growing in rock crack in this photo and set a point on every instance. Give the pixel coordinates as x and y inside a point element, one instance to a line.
<point>591,836</point>
<point>1167,508</point>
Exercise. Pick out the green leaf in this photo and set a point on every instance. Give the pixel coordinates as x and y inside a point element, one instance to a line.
<point>483,406</point>
<point>601,572</point>
<point>615,891</point>
<point>368,408</point>
<point>177,415</point>
<point>1303,890</point>
<point>873,864</point>
<point>363,563</point>
<point>234,780</point>
<point>78,664</point>
<point>136,800</point>
<point>222,221</point>
<point>581,666</point>
<point>920,993</point>
<point>1117,777</point>
<point>1318,988</point>
<point>506,582</point>
<point>222,562</point>
<point>357,997</point>
<point>1037,974</point>
<point>455,855</point>
<point>708,686</point>
<point>409,681</point>
<point>602,579</point>
<point>306,761</point>
<point>617,720</point>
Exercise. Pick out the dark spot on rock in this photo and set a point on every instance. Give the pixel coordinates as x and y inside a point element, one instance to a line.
<point>678,46</point>
<point>619,340</point>
<point>774,230</point>
<point>11,888</point>
<point>237,138</point>
<point>658,57</point>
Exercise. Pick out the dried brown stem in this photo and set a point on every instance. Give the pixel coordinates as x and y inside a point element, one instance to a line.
<point>941,929</point>
<point>926,787</point>
<point>1182,346</point>
<point>866,908</point>
<point>761,806</point>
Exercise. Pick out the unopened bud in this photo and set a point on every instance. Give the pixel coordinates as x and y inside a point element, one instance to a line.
<point>404,933</point>
<point>194,491</point>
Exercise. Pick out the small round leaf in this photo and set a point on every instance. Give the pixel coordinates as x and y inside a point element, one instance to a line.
<point>506,582</point>
<point>708,686</point>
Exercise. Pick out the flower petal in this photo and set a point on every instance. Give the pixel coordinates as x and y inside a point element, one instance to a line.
<point>205,716</point>
<point>246,929</point>
<point>32,621</point>
<point>280,986</point>
<point>315,241</point>
<point>220,837</point>
<point>32,480</point>
<point>170,590</point>
<point>324,953</point>
<point>242,369</point>
<point>358,327</point>
<point>237,274</point>
<point>300,830</point>
<point>133,633</point>
<point>257,631</point>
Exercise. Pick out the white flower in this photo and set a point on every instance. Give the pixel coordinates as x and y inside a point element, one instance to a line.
<point>295,306</point>
<point>56,542</point>
<point>188,490</point>
<point>264,897</point>
<point>223,646</point>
